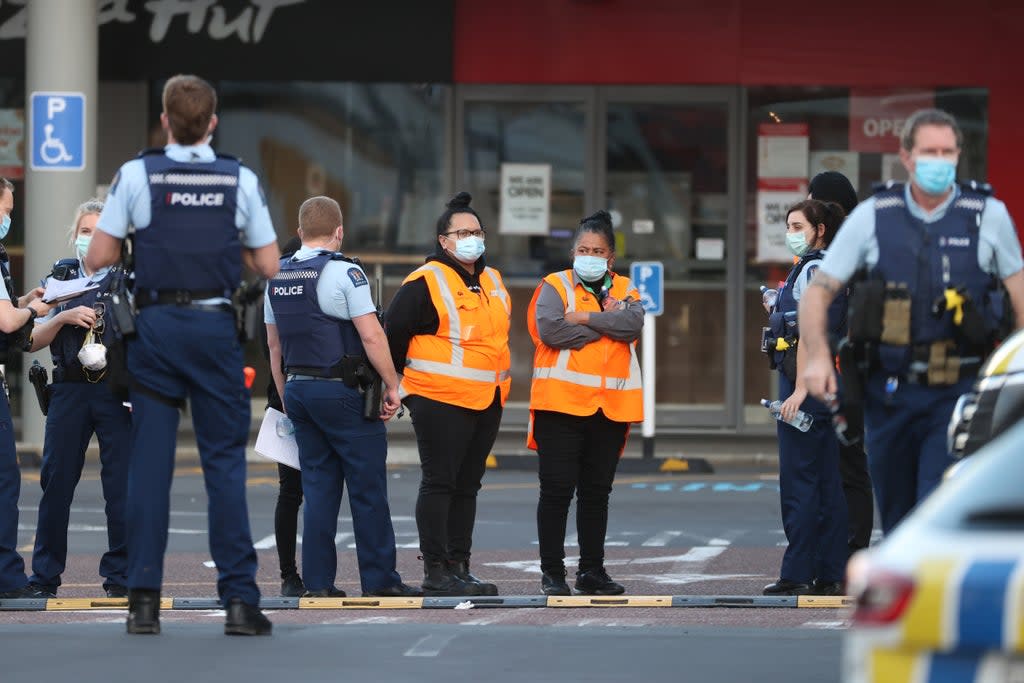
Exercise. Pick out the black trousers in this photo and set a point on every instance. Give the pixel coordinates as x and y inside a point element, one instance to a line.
<point>577,455</point>
<point>860,503</point>
<point>454,443</point>
<point>286,517</point>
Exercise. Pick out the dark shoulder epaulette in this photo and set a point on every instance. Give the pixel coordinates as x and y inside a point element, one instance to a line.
<point>150,151</point>
<point>976,187</point>
<point>338,256</point>
<point>887,186</point>
<point>65,269</point>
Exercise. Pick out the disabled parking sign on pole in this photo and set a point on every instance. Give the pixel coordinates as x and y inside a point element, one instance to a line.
<point>57,131</point>
<point>649,279</point>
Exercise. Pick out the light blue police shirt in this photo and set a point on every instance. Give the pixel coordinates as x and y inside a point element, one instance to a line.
<point>129,198</point>
<point>340,292</point>
<point>802,280</point>
<point>856,245</point>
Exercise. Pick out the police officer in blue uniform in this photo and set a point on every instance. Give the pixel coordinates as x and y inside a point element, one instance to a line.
<point>81,403</point>
<point>322,322</point>
<point>17,316</point>
<point>196,216</point>
<point>814,513</point>
<point>927,313</point>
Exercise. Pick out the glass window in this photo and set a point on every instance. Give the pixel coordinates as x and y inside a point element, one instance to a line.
<point>851,130</point>
<point>378,148</point>
<point>500,132</point>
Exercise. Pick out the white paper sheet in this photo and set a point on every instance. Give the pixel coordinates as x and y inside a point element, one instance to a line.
<point>62,290</point>
<point>282,449</point>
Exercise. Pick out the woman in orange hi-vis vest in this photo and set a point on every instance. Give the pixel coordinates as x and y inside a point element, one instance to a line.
<point>586,391</point>
<point>448,331</point>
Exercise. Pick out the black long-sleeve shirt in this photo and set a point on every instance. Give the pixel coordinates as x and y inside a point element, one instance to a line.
<point>412,312</point>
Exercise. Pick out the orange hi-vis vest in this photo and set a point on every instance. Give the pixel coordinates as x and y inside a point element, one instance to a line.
<point>469,356</point>
<point>602,375</point>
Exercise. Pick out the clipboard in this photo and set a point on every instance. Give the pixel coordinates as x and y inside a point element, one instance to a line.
<point>282,449</point>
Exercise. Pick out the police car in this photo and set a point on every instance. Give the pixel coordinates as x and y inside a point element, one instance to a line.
<point>942,597</point>
<point>995,404</point>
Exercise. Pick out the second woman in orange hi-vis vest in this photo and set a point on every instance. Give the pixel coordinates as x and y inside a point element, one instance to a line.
<point>448,331</point>
<point>586,391</point>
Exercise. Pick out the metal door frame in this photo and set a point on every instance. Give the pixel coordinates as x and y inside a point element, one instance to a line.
<point>595,100</point>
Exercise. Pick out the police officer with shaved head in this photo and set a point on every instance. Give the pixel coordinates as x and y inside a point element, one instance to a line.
<point>196,215</point>
<point>938,264</point>
<point>322,322</point>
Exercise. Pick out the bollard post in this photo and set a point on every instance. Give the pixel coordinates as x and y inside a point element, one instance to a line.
<point>648,374</point>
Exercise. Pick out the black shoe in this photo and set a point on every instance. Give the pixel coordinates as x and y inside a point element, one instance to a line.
<point>292,586</point>
<point>116,591</point>
<point>26,593</point>
<point>245,620</point>
<point>438,580</point>
<point>828,588</point>
<point>38,590</point>
<point>786,587</point>
<point>554,584</point>
<point>597,582</point>
<point>399,590</point>
<point>331,592</point>
<point>461,570</point>
<point>143,611</point>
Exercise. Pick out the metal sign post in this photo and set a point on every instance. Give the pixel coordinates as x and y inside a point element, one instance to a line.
<point>649,279</point>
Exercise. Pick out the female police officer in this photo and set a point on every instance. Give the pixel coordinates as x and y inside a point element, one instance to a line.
<point>586,390</point>
<point>813,507</point>
<point>16,315</point>
<point>448,329</point>
<point>81,403</point>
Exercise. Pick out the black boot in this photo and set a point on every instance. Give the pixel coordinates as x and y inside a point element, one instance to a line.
<point>245,620</point>
<point>143,611</point>
<point>553,583</point>
<point>292,586</point>
<point>597,582</point>
<point>438,580</point>
<point>461,570</point>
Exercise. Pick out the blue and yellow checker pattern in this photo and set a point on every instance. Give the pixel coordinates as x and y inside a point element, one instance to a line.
<point>964,622</point>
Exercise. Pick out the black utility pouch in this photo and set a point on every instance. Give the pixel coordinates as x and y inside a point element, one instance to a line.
<point>865,311</point>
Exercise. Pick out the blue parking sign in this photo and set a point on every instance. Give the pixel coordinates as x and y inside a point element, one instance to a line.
<point>57,131</point>
<point>649,279</point>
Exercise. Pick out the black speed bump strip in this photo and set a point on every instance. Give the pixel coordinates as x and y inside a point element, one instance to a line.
<point>512,601</point>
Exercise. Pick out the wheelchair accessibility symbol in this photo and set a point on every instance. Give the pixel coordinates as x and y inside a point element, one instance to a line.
<point>649,279</point>
<point>58,131</point>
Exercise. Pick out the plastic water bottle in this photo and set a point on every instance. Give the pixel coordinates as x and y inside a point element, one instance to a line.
<point>801,420</point>
<point>284,427</point>
<point>769,296</point>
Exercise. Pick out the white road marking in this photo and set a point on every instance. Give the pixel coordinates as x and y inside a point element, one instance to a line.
<point>718,541</point>
<point>696,554</point>
<point>429,646</point>
<point>103,528</point>
<point>826,625</point>
<point>661,539</point>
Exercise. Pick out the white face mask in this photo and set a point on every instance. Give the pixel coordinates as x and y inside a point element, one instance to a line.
<point>470,249</point>
<point>82,245</point>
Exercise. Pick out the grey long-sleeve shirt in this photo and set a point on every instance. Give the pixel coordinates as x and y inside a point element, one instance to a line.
<point>623,325</point>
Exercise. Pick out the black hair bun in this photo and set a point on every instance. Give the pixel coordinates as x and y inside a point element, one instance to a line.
<point>600,217</point>
<point>460,201</point>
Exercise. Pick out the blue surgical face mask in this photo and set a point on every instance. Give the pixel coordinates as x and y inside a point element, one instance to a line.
<point>590,268</point>
<point>797,243</point>
<point>5,227</point>
<point>468,250</point>
<point>934,175</point>
<point>82,245</point>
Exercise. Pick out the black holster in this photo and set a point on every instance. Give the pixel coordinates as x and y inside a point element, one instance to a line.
<point>37,375</point>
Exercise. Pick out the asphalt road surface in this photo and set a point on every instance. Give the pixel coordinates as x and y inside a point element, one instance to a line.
<point>687,535</point>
